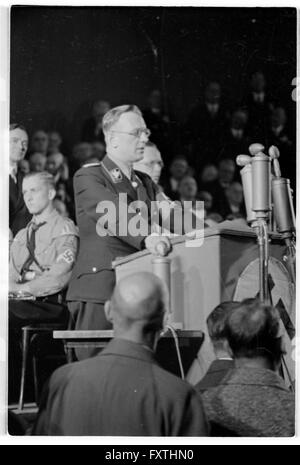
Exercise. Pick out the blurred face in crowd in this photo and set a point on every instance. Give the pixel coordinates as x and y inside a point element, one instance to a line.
<point>258,82</point>
<point>98,150</point>
<point>61,192</point>
<point>234,194</point>
<point>60,207</point>
<point>54,162</point>
<point>187,188</point>
<point>82,152</point>
<point>155,99</point>
<point>206,197</point>
<point>239,119</point>
<point>209,173</point>
<point>179,168</point>
<point>37,162</point>
<point>100,108</point>
<point>278,117</point>
<point>54,142</point>
<point>24,166</point>
<point>226,170</point>
<point>128,137</point>
<point>151,164</point>
<point>18,145</point>
<point>40,142</point>
<point>37,194</point>
<point>212,93</point>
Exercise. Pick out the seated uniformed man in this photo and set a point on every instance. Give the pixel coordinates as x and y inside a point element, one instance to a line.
<point>123,391</point>
<point>42,256</point>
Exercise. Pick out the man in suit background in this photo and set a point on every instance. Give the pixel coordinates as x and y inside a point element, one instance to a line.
<point>19,216</point>
<point>216,329</point>
<point>93,277</point>
<point>123,391</point>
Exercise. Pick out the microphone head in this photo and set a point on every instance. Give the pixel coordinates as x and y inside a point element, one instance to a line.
<point>255,149</point>
<point>274,152</point>
<point>243,160</point>
<point>162,249</point>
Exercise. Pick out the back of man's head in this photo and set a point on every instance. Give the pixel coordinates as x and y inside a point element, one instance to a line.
<point>253,332</point>
<point>216,325</point>
<point>137,307</point>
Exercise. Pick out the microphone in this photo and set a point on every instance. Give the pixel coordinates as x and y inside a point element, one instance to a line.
<point>261,173</point>
<point>254,149</point>
<point>246,176</point>
<point>275,154</point>
<point>243,160</point>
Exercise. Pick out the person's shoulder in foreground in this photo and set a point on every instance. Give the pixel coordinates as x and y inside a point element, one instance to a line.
<point>252,399</point>
<point>123,391</point>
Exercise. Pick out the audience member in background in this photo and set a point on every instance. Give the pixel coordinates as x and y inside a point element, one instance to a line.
<point>252,399</point>
<point>178,169</point>
<point>55,142</point>
<point>235,141</point>
<point>208,174</point>
<point>204,130</point>
<point>60,207</point>
<point>37,162</point>
<point>81,154</point>
<point>123,391</point>
<point>18,144</point>
<point>92,127</point>
<point>226,168</point>
<point>211,218</point>
<point>216,325</point>
<point>187,189</point>
<point>159,122</point>
<point>235,207</point>
<point>259,104</point>
<point>42,256</point>
<point>98,150</point>
<point>279,135</point>
<point>39,142</point>
<point>24,167</point>
<point>151,163</point>
<point>55,166</point>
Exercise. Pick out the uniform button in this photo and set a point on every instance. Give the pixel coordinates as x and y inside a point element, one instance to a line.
<point>94,269</point>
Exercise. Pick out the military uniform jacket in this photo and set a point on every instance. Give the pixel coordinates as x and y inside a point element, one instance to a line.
<point>93,277</point>
<point>120,392</point>
<point>55,251</point>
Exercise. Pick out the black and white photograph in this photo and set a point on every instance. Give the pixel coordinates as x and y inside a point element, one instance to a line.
<point>149,224</point>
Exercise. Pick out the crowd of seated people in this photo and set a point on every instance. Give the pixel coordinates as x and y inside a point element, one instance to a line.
<point>204,147</point>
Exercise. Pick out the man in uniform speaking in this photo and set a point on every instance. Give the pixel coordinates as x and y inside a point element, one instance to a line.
<point>93,278</point>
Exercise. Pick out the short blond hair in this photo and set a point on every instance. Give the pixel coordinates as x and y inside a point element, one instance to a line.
<point>112,116</point>
<point>44,176</point>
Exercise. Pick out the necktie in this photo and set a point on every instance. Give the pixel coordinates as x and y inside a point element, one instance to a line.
<point>31,247</point>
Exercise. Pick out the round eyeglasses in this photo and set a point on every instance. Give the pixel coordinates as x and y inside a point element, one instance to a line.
<point>136,132</point>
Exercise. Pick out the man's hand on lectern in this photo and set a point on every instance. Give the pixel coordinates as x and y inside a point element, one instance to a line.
<point>158,245</point>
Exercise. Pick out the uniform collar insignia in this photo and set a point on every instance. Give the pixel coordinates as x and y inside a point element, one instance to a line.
<point>116,175</point>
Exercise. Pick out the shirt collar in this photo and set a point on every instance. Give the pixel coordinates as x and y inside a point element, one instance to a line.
<point>45,218</point>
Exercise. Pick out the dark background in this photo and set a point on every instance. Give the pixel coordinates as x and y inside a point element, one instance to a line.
<point>64,58</point>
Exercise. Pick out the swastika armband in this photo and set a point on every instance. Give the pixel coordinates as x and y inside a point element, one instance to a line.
<point>67,256</point>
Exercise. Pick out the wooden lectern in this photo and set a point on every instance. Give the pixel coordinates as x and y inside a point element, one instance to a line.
<point>224,267</point>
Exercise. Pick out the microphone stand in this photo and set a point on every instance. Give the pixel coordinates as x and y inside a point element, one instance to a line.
<point>257,193</point>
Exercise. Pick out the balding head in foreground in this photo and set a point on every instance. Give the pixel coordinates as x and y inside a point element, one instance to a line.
<point>137,308</point>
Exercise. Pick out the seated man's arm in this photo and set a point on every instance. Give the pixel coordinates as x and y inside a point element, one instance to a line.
<point>58,275</point>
